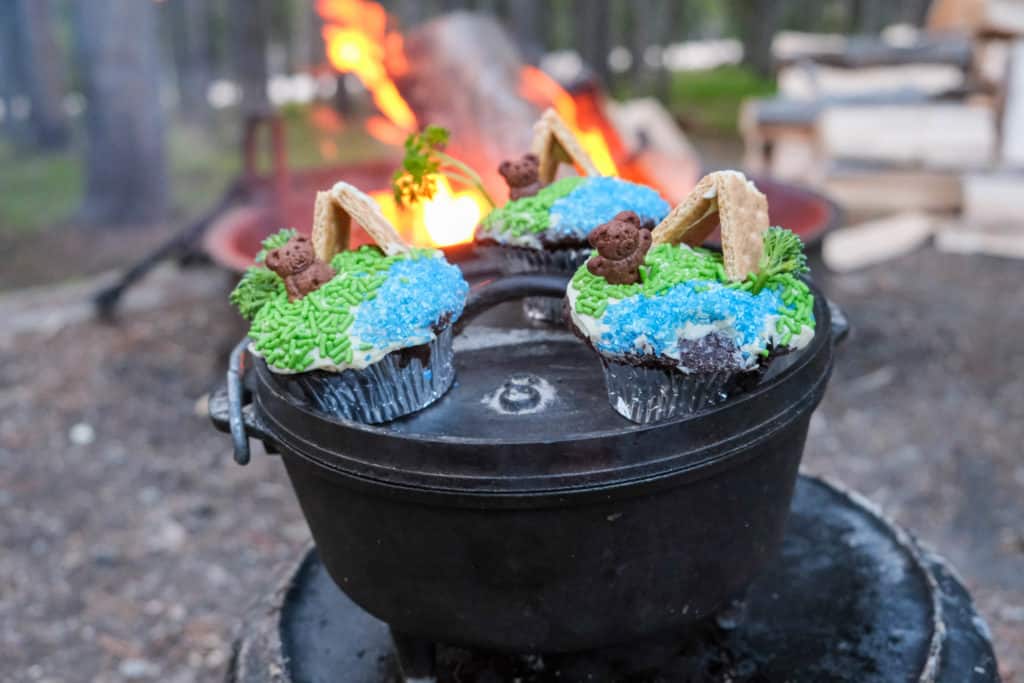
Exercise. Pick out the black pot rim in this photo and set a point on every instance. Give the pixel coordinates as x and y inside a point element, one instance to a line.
<point>822,337</point>
<point>521,465</point>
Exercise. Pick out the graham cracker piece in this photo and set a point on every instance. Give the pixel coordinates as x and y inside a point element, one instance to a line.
<point>332,227</point>
<point>728,199</point>
<point>334,212</point>
<point>554,143</point>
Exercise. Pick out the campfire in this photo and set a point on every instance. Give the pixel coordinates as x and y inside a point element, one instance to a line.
<point>488,108</point>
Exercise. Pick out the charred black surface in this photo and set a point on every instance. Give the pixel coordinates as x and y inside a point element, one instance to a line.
<point>849,598</point>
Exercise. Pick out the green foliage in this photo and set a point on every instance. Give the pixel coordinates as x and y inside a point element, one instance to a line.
<point>710,100</point>
<point>258,286</point>
<point>783,254</point>
<point>278,239</point>
<point>416,180</point>
<point>38,190</point>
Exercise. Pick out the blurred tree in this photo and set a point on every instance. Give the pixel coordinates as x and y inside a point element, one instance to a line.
<point>758,20</point>
<point>125,161</point>
<point>42,67</point>
<point>524,21</point>
<point>190,47</point>
<point>11,76</point>
<point>249,50</point>
<point>308,49</point>
<point>452,5</point>
<point>653,23</point>
<point>592,24</point>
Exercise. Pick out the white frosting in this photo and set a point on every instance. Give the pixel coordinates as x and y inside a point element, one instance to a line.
<point>590,326</point>
<point>529,240</point>
<point>360,359</point>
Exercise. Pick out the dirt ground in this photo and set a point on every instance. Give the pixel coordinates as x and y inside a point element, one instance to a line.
<point>132,545</point>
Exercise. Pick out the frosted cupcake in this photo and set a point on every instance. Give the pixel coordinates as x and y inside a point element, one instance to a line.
<point>545,225</point>
<point>365,334</point>
<point>679,328</point>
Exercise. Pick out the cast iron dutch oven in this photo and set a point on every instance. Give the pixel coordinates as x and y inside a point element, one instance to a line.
<point>552,530</point>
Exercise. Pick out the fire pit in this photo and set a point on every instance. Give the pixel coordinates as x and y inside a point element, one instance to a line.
<point>234,239</point>
<point>849,598</point>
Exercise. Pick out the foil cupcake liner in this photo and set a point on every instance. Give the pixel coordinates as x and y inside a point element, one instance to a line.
<point>403,382</point>
<point>519,260</point>
<point>646,395</point>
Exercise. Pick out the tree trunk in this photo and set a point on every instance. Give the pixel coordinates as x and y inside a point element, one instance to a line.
<point>125,161</point>
<point>593,35</point>
<point>759,19</point>
<point>249,48</point>
<point>44,77</point>
<point>524,23</point>
<point>11,71</point>
<point>191,51</point>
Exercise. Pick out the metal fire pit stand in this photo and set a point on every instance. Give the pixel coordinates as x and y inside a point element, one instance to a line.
<point>851,597</point>
<point>246,188</point>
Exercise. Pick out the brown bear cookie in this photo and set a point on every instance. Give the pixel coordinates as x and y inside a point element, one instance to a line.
<point>621,245</point>
<point>299,267</point>
<point>523,176</point>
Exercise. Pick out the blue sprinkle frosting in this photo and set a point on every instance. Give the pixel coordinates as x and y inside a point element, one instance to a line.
<point>646,325</point>
<point>417,293</point>
<point>597,200</point>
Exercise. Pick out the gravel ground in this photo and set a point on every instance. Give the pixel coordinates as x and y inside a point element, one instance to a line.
<point>132,545</point>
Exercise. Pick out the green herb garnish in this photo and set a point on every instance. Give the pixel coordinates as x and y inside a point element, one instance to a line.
<point>416,179</point>
<point>783,254</point>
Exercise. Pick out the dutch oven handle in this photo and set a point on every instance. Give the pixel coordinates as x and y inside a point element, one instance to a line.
<point>840,323</point>
<point>231,408</point>
<point>508,288</point>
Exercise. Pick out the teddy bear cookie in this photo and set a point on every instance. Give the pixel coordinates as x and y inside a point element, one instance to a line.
<point>297,264</point>
<point>622,245</point>
<point>522,176</point>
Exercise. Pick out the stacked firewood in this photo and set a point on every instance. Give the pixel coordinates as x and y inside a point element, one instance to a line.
<point>921,129</point>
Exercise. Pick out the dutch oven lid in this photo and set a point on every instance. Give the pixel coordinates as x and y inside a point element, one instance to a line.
<point>529,413</point>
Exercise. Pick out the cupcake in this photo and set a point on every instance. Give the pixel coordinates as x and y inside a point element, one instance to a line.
<point>679,328</point>
<point>544,226</point>
<point>365,334</point>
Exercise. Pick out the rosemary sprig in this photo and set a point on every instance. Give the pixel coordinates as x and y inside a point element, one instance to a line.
<point>416,179</point>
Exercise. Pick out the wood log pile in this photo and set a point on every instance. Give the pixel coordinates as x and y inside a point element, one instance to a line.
<point>914,132</point>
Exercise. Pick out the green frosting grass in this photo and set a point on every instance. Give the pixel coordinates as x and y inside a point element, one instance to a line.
<point>530,214</point>
<point>668,265</point>
<point>287,333</point>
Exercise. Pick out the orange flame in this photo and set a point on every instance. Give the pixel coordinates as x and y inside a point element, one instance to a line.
<point>361,39</point>
<point>537,87</point>
<point>360,42</point>
<point>448,218</point>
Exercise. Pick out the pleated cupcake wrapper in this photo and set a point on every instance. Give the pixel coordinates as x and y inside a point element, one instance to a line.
<point>385,390</point>
<point>646,395</point>
<point>518,260</point>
